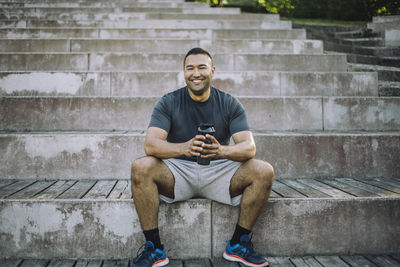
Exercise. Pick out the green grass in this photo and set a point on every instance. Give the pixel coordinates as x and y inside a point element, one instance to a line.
<point>326,22</point>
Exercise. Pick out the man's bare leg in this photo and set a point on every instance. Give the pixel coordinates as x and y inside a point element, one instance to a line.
<point>254,181</point>
<point>150,176</point>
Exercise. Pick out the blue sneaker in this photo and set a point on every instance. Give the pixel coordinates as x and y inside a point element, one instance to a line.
<point>150,256</point>
<point>244,253</point>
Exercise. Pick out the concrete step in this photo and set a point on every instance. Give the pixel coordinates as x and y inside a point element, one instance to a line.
<point>377,52</point>
<point>264,113</point>
<point>392,37</point>
<point>155,33</point>
<point>89,12</point>
<point>87,1</point>
<point>357,33</point>
<point>383,26</point>
<point>374,60</point>
<point>322,261</point>
<point>369,42</point>
<point>68,219</point>
<point>167,62</point>
<point>105,155</point>
<point>384,73</point>
<point>98,4</point>
<point>89,15</point>
<point>383,19</point>
<point>389,88</point>
<point>150,24</point>
<point>162,46</point>
<point>244,83</point>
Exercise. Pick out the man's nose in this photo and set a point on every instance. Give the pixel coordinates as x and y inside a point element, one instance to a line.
<point>196,72</point>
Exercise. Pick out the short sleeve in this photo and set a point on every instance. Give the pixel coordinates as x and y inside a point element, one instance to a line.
<point>238,118</point>
<point>161,117</point>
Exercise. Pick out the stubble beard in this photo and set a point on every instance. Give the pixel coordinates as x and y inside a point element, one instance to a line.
<point>199,91</point>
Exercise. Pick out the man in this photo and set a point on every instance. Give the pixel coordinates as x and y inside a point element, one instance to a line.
<point>170,172</point>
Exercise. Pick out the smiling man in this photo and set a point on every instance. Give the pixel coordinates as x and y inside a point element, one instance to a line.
<point>170,171</point>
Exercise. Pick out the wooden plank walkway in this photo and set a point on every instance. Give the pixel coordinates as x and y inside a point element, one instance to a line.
<point>307,261</point>
<point>121,189</point>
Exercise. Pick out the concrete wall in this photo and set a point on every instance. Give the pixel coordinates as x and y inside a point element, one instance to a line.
<point>110,229</point>
<point>293,155</point>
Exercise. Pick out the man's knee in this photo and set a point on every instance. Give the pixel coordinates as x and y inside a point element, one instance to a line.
<point>141,169</point>
<point>263,172</point>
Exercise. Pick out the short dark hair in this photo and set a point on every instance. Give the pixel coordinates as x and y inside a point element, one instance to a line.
<point>197,51</point>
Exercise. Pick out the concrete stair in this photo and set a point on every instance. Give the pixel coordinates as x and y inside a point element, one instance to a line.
<point>78,83</point>
<point>157,33</point>
<point>243,83</point>
<point>376,48</point>
<point>92,206</point>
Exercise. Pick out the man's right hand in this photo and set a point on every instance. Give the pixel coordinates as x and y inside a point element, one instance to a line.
<point>193,147</point>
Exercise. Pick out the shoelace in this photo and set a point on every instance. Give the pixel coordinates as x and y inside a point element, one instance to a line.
<point>249,246</point>
<point>144,253</point>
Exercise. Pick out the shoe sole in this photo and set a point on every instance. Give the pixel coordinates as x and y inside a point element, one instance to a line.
<point>161,263</point>
<point>238,259</point>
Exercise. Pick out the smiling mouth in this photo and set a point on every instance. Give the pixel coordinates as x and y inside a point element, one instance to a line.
<point>197,81</point>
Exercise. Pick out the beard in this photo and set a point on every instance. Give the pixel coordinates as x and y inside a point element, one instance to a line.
<point>198,89</point>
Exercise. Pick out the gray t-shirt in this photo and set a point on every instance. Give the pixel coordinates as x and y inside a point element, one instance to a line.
<point>179,115</point>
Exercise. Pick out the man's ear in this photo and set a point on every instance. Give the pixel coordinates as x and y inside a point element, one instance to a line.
<point>212,70</point>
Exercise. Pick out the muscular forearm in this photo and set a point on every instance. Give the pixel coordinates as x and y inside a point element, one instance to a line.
<point>162,149</point>
<point>238,152</point>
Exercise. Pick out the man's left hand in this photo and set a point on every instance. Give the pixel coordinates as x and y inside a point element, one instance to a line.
<point>213,150</point>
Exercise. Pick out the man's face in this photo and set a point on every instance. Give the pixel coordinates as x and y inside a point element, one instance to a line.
<point>198,72</point>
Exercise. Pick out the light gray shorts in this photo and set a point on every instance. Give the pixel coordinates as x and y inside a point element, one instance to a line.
<point>212,181</point>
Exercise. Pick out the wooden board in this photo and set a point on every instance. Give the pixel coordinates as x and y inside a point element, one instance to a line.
<point>331,261</point>
<point>175,263</point>
<point>55,190</point>
<point>34,263</point>
<point>274,195</point>
<point>4,183</point>
<point>118,189</point>
<point>116,263</point>
<point>357,261</point>
<point>32,190</point>
<point>127,193</point>
<point>286,191</point>
<point>325,188</point>
<point>304,189</point>
<point>280,261</point>
<point>379,191</point>
<point>100,190</point>
<point>82,263</point>
<point>94,263</point>
<point>14,188</point>
<point>61,263</point>
<point>9,263</point>
<point>384,261</point>
<point>78,190</point>
<point>396,257</point>
<point>305,261</point>
<point>355,191</point>
<point>388,184</point>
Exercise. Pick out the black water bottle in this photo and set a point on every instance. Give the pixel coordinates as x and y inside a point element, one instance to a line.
<point>203,129</point>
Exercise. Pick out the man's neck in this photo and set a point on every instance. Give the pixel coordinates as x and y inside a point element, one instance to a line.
<point>200,98</point>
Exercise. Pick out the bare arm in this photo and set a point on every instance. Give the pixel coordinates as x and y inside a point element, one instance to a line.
<point>156,145</point>
<point>243,149</point>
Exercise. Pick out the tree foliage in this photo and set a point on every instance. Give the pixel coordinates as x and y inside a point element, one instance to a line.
<point>332,9</point>
<point>324,9</point>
